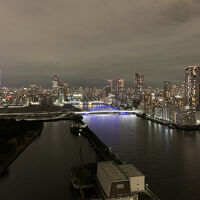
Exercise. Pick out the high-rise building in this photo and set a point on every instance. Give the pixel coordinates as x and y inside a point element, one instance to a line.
<point>192,86</point>
<point>121,84</point>
<point>116,88</point>
<point>138,84</point>
<point>63,91</point>
<point>116,85</point>
<point>55,87</point>
<point>167,90</point>
<point>55,82</point>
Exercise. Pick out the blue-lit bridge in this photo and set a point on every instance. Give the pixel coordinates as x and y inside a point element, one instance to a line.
<point>84,103</point>
<point>106,110</point>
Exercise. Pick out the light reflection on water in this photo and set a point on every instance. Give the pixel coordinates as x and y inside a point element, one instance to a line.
<point>170,158</point>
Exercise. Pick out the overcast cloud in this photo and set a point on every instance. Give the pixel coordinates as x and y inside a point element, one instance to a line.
<point>89,41</point>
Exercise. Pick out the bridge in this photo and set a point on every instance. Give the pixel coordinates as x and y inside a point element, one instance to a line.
<point>84,103</point>
<point>105,110</point>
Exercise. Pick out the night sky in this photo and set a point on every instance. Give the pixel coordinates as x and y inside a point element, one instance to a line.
<point>86,42</point>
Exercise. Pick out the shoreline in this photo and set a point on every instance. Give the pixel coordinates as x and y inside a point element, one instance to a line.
<point>167,123</point>
<point>13,157</point>
<point>104,153</point>
<point>172,125</point>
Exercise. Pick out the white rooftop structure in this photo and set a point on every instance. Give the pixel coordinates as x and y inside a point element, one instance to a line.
<point>130,171</point>
<point>123,180</point>
<point>112,171</point>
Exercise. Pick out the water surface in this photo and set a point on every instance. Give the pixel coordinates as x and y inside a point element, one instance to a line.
<point>42,171</point>
<point>169,158</point>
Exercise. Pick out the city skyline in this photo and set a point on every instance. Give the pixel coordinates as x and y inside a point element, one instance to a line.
<point>99,99</point>
<point>80,39</point>
<point>99,84</point>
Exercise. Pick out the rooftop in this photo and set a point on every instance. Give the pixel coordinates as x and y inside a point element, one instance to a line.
<point>112,171</point>
<point>119,172</point>
<point>130,171</point>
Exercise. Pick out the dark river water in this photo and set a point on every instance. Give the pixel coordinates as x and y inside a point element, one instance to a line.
<point>42,171</point>
<point>169,158</point>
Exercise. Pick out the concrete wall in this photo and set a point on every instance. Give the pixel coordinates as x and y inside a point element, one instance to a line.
<point>103,180</point>
<point>137,183</point>
<point>120,188</point>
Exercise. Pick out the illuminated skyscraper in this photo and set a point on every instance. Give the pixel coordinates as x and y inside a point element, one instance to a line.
<point>138,84</point>
<point>109,87</point>
<point>116,85</point>
<point>167,90</point>
<point>121,84</point>
<point>55,87</point>
<point>55,82</point>
<point>63,91</point>
<point>192,86</point>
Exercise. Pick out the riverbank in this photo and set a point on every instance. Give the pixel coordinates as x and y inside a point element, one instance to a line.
<point>168,123</point>
<point>14,138</point>
<point>39,113</point>
<point>37,109</point>
<point>105,154</point>
<point>172,125</point>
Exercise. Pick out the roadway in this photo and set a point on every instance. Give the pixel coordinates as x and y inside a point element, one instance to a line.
<point>106,112</point>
